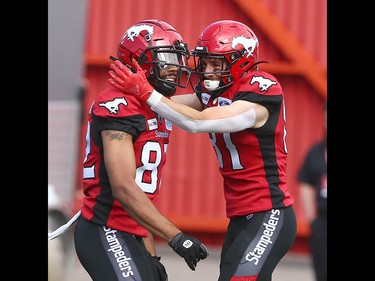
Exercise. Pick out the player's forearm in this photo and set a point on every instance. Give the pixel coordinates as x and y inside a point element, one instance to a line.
<point>143,211</point>
<point>154,222</point>
<point>210,120</point>
<point>190,100</point>
<point>186,111</point>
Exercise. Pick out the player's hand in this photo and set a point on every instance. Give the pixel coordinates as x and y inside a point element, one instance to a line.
<point>122,78</point>
<point>190,248</point>
<point>163,276</point>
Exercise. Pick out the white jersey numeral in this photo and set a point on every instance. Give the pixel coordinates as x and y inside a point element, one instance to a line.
<point>148,149</point>
<point>234,155</point>
<point>151,156</point>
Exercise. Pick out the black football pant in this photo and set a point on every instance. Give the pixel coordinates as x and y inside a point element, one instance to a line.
<point>254,244</point>
<point>111,255</point>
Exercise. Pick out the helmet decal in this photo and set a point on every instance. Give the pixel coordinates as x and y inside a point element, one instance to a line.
<point>136,29</point>
<point>235,44</point>
<point>160,51</point>
<point>248,43</point>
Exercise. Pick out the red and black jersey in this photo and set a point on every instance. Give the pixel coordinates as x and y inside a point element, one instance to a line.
<point>253,162</point>
<point>112,110</point>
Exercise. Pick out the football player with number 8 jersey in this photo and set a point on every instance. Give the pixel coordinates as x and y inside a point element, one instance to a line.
<point>126,145</point>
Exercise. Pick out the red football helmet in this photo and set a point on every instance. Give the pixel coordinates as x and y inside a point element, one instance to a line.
<point>156,45</point>
<point>230,40</point>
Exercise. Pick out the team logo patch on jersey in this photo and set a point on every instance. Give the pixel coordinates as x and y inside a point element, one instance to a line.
<point>223,101</point>
<point>113,106</point>
<point>264,83</point>
<point>134,31</point>
<point>168,125</point>
<point>205,98</point>
<point>152,124</point>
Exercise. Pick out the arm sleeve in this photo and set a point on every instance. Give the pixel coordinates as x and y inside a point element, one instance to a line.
<point>224,125</point>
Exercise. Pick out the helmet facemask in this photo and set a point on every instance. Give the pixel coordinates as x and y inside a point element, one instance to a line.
<point>223,71</point>
<point>168,67</point>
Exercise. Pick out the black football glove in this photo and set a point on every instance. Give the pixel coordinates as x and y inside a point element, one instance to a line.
<point>161,269</point>
<point>190,248</point>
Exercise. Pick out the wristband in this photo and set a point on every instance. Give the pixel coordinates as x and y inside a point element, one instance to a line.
<point>175,239</point>
<point>154,99</point>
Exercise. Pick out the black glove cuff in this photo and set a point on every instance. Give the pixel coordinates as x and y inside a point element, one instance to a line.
<point>175,240</point>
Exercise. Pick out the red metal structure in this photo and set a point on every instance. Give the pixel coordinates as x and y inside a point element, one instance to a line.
<point>293,39</point>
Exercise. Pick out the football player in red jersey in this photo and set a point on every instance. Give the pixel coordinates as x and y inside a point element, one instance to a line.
<point>126,145</point>
<point>243,110</point>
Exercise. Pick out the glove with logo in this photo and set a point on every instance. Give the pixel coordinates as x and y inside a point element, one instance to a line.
<point>161,269</point>
<point>190,248</point>
<point>122,78</point>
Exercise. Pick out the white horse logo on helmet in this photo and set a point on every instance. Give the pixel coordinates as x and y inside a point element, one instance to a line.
<point>135,30</point>
<point>248,43</point>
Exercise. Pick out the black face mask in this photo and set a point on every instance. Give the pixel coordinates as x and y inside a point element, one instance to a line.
<point>163,88</point>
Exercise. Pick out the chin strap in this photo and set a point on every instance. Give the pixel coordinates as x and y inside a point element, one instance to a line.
<point>258,62</point>
<point>163,88</point>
